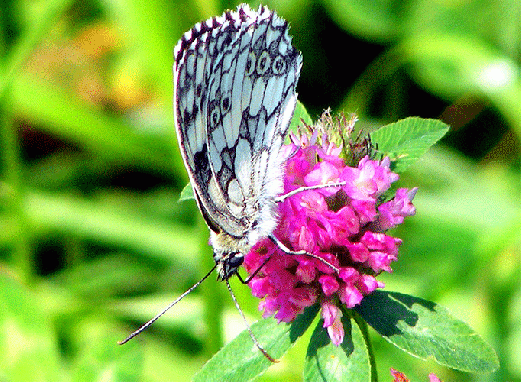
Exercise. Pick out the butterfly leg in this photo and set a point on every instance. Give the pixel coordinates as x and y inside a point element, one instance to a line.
<point>250,277</point>
<point>307,188</point>
<point>288,251</point>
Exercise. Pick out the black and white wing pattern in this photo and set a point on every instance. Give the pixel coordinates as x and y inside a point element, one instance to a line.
<point>234,96</point>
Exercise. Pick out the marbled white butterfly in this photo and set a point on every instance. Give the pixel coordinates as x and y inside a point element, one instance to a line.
<point>235,79</point>
<point>234,96</point>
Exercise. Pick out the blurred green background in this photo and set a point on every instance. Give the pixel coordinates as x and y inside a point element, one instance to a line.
<point>93,241</point>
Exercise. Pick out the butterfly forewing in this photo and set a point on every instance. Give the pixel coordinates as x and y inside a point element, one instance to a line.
<point>234,83</point>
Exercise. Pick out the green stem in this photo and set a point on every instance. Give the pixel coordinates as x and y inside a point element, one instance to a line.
<point>364,329</point>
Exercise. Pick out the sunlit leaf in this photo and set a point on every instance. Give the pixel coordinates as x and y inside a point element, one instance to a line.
<point>407,140</point>
<point>240,360</point>
<point>187,193</point>
<point>427,330</point>
<point>28,343</point>
<point>347,362</point>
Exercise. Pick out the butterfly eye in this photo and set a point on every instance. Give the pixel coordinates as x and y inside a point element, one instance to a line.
<point>264,63</point>
<point>235,260</point>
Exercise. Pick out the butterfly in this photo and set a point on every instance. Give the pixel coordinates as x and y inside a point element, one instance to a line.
<point>234,84</point>
<point>234,96</point>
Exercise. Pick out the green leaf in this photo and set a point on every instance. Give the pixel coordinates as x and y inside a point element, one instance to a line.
<point>240,360</point>
<point>408,139</point>
<point>347,362</point>
<point>426,330</point>
<point>187,193</point>
<point>300,114</point>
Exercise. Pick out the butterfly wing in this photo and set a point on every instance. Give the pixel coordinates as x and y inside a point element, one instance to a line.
<point>235,79</point>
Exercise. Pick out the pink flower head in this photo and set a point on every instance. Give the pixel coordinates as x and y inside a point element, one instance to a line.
<point>343,225</point>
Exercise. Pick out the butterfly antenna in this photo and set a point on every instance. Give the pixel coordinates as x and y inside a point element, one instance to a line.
<point>147,324</point>
<point>253,338</point>
<point>285,249</point>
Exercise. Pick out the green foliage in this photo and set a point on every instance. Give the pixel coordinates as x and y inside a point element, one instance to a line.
<point>187,193</point>
<point>425,330</point>
<point>419,327</point>
<point>349,361</point>
<point>405,141</point>
<point>240,361</point>
<point>300,115</point>
<point>93,241</point>
<point>28,343</point>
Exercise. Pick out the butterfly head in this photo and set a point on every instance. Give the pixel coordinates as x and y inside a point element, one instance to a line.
<point>228,253</point>
<point>228,263</point>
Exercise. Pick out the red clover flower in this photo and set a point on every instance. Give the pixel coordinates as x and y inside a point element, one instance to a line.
<point>343,225</point>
